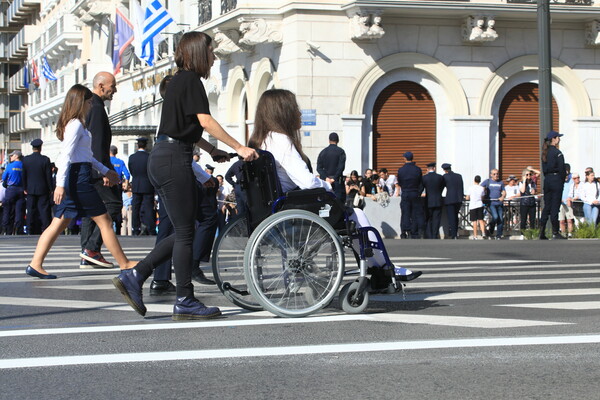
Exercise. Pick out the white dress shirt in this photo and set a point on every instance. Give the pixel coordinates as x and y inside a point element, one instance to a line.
<point>291,168</point>
<point>590,192</point>
<point>76,148</point>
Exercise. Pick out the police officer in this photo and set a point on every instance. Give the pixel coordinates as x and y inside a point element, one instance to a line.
<point>37,182</point>
<point>553,166</point>
<point>142,203</point>
<point>331,164</point>
<point>434,186</point>
<point>454,198</point>
<point>14,198</point>
<point>410,180</point>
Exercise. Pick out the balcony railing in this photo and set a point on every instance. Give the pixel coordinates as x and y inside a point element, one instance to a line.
<point>19,122</point>
<point>17,48</point>
<point>20,10</point>
<point>228,5</point>
<point>204,11</point>
<point>4,42</point>
<point>62,37</point>
<point>3,106</point>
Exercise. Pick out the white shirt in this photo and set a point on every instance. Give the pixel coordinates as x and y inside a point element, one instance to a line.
<point>390,182</point>
<point>76,148</point>
<point>291,168</point>
<point>512,191</point>
<point>589,192</point>
<point>475,194</point>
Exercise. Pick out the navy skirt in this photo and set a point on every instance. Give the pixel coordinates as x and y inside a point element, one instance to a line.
<point>81,198</point>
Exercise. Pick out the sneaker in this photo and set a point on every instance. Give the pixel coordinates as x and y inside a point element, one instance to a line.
<point>189,308</point>
<point>96,259</point>
<point>85,264</point>
<point>569,235</point>
<point>522,237</point>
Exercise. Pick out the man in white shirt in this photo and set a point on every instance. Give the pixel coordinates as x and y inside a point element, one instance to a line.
<point>389,182</point>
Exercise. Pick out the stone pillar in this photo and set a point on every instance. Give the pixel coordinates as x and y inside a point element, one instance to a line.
<point>356,145</point>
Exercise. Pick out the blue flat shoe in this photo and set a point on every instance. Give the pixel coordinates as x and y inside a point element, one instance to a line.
<point>129,283</point>
<point>32,272</point>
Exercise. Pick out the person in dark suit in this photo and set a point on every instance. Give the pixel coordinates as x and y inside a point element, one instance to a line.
<point>142,204</point>
<point>104,87</point>
<point>37,182</point>
<point>240,196</point>
<point>410,180</point>
<point>331,164</point>
<point>454,198</point>
<point>434,186</point>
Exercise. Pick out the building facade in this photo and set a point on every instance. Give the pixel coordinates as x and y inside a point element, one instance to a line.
<point>451,81</point>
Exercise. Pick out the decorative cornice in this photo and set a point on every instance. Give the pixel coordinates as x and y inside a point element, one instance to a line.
<point>256,31</point>
<point>366,25</point>
<point>227,42</point>
<point>479,29</point>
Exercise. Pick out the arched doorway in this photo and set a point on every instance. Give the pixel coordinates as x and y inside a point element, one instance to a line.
<point>404,119</point>
<point>519,129</point>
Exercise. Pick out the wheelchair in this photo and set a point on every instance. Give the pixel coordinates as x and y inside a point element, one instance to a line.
<point>286,255</point>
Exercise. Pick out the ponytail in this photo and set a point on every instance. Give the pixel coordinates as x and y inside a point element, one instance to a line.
<point>545,148</point>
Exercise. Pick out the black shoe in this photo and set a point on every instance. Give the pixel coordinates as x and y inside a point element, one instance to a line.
<point>558,236</point>
<point>189,308</point>
<point>410,277</point>
<point>162,288</point>
<point>199,277</point>
<point>129,283</point>
<point>32,272</point>
<point>543,237</point>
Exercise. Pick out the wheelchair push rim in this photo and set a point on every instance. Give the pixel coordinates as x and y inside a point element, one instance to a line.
<point>294,263</point>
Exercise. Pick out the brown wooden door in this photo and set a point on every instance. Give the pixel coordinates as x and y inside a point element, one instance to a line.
<point>519,129</point>
<point>404,119</point>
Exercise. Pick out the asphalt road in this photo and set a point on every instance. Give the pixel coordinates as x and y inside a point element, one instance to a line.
<point>488,319</point>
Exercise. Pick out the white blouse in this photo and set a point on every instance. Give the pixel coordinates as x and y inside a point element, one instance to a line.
<point>590,192</point>
<point>76,148</point>
<point>291,168</point>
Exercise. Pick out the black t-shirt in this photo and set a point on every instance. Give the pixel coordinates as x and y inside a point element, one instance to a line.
<point>184,99</point>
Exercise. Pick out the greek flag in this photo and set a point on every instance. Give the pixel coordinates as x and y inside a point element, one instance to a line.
<point>47,71</point>
<point>156,19</point>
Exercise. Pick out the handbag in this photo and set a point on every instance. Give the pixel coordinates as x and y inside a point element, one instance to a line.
<point>359,201</point>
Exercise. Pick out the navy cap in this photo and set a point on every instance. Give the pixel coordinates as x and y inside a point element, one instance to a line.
<point>142,139</point>
<point>333,137</point>
<point>431,164</point>
<point>408,155</point>
<point>208,166</point>
<point>552,134</point>
<point>446,166</point>
<point>36,143</point>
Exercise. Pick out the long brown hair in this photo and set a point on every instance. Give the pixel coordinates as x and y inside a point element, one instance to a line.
<point>277,111</point>
<point>192,53</point>
<point>73,108</point>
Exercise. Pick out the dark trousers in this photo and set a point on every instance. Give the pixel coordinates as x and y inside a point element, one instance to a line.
<point>527,212</point>
<point>553,187</point>
<point>434,218</point>
<point>240,200</point>
<point>91,239</point>
<point>205,234</point>
<point>38,212</point>
<point>412,218</point>
<point>13,206</point>
<point>170,171</point>
<point>142,210</point>
<point>165,229</point>
<point>452,213</point>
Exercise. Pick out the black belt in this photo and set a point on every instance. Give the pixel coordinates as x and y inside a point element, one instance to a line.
<point>552,173</point>
<point>168,139</point>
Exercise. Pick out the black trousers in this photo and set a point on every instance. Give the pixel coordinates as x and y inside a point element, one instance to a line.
<point>434,218</point>
<point>452,213</point>
<point>412,218</point>
<point>38,212</point>
<point>142,210</point>
<point>91,238</point>
<point>12,217</point>
<point>527,213</point>
<point>165,229</point>
<point>170,171</point>
<point>553,188</point>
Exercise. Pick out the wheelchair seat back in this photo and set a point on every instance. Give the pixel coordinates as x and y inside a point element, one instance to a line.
<point>265,196</point>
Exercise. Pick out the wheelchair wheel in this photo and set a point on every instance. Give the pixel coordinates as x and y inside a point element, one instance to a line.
<point>353,307</point>
<point>228,264</point>
<point>294,263</point>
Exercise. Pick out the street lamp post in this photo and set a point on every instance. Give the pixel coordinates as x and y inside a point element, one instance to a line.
<point>545,68</point>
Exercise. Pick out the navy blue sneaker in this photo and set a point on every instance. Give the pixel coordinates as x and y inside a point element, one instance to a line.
<point>130,282</point>
<point>189,308</point>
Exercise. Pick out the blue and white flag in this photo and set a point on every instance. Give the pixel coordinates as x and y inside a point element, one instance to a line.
<point>47,71</point>
<point>26,77</point>
<point>154,20</point>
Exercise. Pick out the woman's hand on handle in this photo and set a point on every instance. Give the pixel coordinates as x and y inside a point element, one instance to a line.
<point>247,153</point>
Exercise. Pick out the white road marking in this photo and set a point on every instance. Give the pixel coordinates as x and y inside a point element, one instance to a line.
<point>573,305</point>
<point>505,282</point>
<point>94,359</point>
<point>486,295</point>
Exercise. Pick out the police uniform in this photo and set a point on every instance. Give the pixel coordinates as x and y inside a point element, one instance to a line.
<point>454,198</point>
<point>554,180</point>
<point>142,203</point>
<point>410,179</point>
<point>37,182</point>
<point>331,164</point>
<point>14,198</point>
<point>434,186</point>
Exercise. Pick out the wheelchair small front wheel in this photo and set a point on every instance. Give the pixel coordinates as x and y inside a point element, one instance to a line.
<point>294,263</point>
<point>350,305</point>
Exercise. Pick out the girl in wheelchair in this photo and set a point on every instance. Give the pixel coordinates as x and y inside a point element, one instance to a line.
<point>277,130</point>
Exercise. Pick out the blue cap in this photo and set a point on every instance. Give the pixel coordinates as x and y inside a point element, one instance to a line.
<point>446,166</point>
<point>408,155</point>
<point>36,143</point>
<point>552,134</point>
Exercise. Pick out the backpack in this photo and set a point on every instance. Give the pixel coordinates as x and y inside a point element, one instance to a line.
<point>485,197</point>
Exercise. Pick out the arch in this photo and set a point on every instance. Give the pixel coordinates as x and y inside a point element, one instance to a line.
<point>441,74</point>
<point>236,83</point>
<point>263,77</point>
<point>561,73</point>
